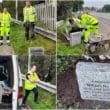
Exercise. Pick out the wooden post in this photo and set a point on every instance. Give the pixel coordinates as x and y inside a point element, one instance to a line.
<point>16,9</point>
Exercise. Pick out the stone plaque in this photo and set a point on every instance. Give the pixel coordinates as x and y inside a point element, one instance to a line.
<point>75,38</point>
<point>94,80</point>
<point>36,51</point>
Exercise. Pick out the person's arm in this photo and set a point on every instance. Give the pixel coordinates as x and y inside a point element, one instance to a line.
<point>34,12</point>
<point>66,30</point>
<point>67,26</point>
<point>30,79</point>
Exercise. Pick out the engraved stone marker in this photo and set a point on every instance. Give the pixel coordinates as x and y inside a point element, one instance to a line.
<point>75,38</point>
<point>94,80</point>
<point>36,51</point>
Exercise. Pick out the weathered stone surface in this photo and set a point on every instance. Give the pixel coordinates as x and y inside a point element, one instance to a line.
<point>94,80</point>
<point>75,38</point>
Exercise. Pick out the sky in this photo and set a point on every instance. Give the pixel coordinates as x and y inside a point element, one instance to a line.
<point>96,3</point>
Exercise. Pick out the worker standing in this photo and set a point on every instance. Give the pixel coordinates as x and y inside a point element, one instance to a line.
<point>90,24</point>
<point>6,19</point>
<point>29,20</point>
<point>31,81</point>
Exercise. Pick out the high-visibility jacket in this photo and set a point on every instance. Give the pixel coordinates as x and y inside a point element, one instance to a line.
<point>77,21</point>
<point>88,20</point>
<point>32,14</point>
<point>5,19</point>
<point>30,85</point>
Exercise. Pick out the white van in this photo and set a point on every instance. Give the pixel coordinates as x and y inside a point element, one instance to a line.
<point>9,70</point>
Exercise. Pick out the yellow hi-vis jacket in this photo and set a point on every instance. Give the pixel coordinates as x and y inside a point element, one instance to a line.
<point>32,14</point>
<point>30,85</point>
<point>5,19</point>
<point>77,21</point>
<point>88,20</point>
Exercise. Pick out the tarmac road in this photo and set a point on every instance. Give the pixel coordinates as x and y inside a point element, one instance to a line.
<point>104,23</point>
<point>105,17</point>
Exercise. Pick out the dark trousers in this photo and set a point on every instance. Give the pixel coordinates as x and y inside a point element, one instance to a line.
<point>29,27</point>
<point>27,92</point>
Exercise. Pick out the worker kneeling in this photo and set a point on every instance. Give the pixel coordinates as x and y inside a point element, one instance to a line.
<point>90,25</point>
<point>5,26</point>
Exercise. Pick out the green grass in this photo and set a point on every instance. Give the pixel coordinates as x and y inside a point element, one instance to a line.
<point>63,48</point>
<point>21,46</point>
<point>46,100</point>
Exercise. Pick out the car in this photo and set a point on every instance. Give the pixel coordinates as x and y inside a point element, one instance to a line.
<point>10,73</point>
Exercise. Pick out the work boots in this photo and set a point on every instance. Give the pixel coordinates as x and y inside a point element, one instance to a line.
<point>8,41</point>
<point>5,40</point>
<point>1,40</point>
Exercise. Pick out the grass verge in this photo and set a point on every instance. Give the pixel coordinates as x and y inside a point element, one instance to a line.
<point>20,45</point>
<point>46,100</point>
<point>64,48</point>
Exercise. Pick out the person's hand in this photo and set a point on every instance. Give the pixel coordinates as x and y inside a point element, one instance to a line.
<point>37,81</point>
